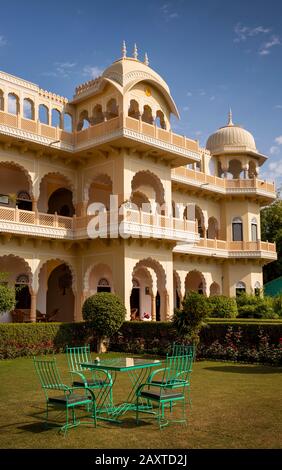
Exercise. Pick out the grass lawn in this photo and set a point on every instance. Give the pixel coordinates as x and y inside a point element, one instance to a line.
<point>234,406</point>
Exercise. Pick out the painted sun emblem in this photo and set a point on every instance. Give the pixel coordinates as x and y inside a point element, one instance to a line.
<point>148,91</point>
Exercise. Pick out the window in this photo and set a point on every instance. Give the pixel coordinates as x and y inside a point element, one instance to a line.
<point>240,288</point>
<point>254,230</point>
<point>257,289</point>
<point>56,118</point>
<point>237,229</point>
<point>13,104</point>
<point>67,122</point>
<point>28,109</point>
<point>43,114</point>
<point>103,285</point>
<point>1,100</point>
<point>133,110</point>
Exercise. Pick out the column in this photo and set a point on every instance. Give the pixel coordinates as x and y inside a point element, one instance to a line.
<point>33,306</point>
<point>153,307</point>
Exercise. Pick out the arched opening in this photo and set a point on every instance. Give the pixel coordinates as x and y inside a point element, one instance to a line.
<point>60,201</point>
<point>17,273</point>
<point>212,228</point>
<point>235,168</point>
<point>112,109</point>
<point>160,120</point>
<point>15,186</point>
<point>60,297</point>
<point>237,229</point>
<point>141,201</point>
<point>252,171</point>
<point>43,114</point>
<point>176,290</point>
<point>195,282</point>
<point>240,288</point>
<point>98,115</point>
<point>56,118</point>
<point>150,185</point>
<point>68,122</point>
<point>83,121</point>
<point>100,190</point>
<point>257,289</point>
<point>103,285</point>
<point>214,289</point>
<point>56,195</point>
<point>1,100</point>
<point>153,300</point>
<point>133,110</point>
<point>28,109</point>
<point>147,115</point>
<point>13,104</point>
<point>254,230</point>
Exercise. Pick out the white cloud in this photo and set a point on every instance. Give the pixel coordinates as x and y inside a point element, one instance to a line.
<point>243,32</point>
<point>278,106</point>
<point>92,70</point>
<point>274,150</point>
<point>202,92</point>
<point>188,93</point>
<point>265,48</point>
<point>3,41</point>
<point>278,140</point>
<point>167,12</point>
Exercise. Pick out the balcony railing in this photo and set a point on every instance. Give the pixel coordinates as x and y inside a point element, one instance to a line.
<point>131,223</point>
<point>237,246</point>
<point>223,184</point>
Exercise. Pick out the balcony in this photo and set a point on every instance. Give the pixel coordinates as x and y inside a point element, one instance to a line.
<point>224,186</point>
<point>112,224</point>
<point>177,148</point>
<point>230,249</point>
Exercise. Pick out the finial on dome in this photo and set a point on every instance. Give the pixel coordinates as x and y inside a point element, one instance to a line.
<point>146,61</point>
<point>123,49</point>
<point>135,52</point>
<point>230,122</point>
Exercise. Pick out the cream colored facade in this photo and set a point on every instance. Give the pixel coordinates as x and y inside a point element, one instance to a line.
<point>57,157</point>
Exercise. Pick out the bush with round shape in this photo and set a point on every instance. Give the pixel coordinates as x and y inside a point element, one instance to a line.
<point>105,313</point>
<point>189,320</point>
<point>222,306</point>
<point>252,306</point>
<point>7,299</point>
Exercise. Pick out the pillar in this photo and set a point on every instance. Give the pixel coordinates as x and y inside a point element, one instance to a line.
<point>153,307</point>
<point>33,295</point>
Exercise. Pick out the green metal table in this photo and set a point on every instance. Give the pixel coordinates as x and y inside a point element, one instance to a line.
<point>138,371</point>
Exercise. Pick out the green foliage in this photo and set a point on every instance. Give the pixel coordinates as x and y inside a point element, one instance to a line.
<point>277,305</point>
<point>222,307</point>
<point>271,230</point>
<point>105,312</point>
<point>252,306</point>
<point>190,318</point>
<point>7,299</point>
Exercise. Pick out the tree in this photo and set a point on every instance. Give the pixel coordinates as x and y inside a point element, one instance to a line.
<point>105,313</point>
<point>189,320</point>
<point>271,230</point>
<point>7,295</point>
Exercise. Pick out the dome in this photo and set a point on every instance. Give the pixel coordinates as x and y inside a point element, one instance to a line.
<point>231,138</point>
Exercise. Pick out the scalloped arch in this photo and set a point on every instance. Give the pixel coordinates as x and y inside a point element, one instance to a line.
<point>202,277</point>
<point>21,168</point>
<point>26,264</point>
<point>105,177</point>
<point>92,266</point>
<point>66,178</point>
<point>157,267</point>
<point>156,180</point>
<point>62,261</point>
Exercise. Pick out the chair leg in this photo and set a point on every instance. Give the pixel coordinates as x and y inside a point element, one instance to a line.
<point>137,410</point>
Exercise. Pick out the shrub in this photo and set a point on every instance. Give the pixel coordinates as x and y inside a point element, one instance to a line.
<point>190,318</point>
<point>222,307</point>
<point>105,312</point>
<point>7,299</point>
<point>277,305</point>
<point>251,306</point>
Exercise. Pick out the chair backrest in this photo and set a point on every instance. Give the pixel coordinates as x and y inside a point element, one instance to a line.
<point>76,355</point>
<point>180,349</point>
<point>48,374</point>
<point>177,368</point>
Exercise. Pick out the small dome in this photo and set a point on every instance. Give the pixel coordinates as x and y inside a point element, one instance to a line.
<point>231,138</point>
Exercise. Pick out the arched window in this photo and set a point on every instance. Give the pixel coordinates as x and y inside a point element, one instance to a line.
<point>212,228</point>
<point>43,114</point>
<point>83,122</point>
<point>252,172</point>
<point>56,118</point>
<point>112,109</point>
<point>147,115</point>
<point>133,110</point>
<point>28,109</point>
<point>103,285</point>
<point>254,230</point>
<point>160,120</point>
<point>257,289</point>
<point>13,104</point>
<point>240,288</point>
<point>98,115</point>
<point>22,279</point>
<point>67,122</point>
<point>24,201</point>
<point>235,168</point>
<point>1,100</point>
<point>237,229</point>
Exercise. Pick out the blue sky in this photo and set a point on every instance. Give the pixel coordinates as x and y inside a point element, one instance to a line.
<point>212,53</point>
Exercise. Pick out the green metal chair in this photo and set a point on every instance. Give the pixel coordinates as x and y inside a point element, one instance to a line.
<point>180,349</point>
<point>169,391</point>
<point>100,380</point>
<point>68,398</point>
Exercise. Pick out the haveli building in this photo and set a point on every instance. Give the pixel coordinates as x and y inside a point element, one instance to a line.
<point>58,157</point>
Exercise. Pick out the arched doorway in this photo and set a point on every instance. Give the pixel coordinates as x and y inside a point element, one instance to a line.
<point>60,201</point>
<point>195,282</point>
<point>214,289</point>
<point>135,300</point>
<point>23,298</point>
<point>56,195</point>
<point>60,297</point>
